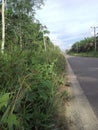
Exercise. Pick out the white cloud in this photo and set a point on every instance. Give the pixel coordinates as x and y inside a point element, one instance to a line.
<point>69,20</point>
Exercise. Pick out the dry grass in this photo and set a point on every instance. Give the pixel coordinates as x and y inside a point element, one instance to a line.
<point>60,119</point>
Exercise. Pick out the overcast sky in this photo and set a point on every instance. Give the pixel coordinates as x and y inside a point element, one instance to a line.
<point>69,20</point>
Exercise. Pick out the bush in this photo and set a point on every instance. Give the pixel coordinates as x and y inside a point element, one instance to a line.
<point>29,84</point>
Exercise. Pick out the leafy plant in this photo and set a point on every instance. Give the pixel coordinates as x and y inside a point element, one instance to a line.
<point>29,75</point>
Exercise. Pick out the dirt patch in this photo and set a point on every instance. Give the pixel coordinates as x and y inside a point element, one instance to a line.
<point>63,94</point>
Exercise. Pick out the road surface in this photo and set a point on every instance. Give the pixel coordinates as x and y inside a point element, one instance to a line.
<point>86,70</point>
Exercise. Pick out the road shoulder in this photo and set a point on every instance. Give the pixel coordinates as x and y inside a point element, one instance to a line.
<point>80,115</point>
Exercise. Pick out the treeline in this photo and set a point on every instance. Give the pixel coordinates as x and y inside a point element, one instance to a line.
<point>85,45</point>
<point>21,27</point>
<point>30,75</point>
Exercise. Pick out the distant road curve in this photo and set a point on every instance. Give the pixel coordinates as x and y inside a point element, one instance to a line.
<point>86,70</point>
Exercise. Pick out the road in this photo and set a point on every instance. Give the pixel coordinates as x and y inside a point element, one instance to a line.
<point>86,70</point>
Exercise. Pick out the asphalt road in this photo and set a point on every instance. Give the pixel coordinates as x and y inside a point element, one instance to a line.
<point>86,70</point>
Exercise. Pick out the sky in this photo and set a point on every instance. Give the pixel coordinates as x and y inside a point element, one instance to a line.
<point>69,21</point>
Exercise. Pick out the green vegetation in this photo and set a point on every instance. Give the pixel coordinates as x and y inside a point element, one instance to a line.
<point>30,77</point>
<point>29,84</point>
<point>85,47</point>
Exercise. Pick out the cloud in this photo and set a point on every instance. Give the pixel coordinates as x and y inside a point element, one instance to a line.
<point>69,21</point>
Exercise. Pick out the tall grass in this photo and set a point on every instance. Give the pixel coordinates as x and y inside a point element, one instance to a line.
<point>29,84</point>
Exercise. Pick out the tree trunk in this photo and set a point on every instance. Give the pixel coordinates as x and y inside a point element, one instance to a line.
<point>3,28</point>
<point>20,36</point>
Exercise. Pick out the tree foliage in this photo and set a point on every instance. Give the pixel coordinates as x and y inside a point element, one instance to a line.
<point>29,75</point>
<point>85,45</point>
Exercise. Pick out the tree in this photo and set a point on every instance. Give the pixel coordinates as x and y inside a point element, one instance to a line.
<point>21,28</point>
<point>84,45</point>
<point>3,27</point>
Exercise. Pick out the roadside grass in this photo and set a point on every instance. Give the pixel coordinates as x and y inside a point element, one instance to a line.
<point>63,99</point>
<point>33,91</point>
<point>85,54</point>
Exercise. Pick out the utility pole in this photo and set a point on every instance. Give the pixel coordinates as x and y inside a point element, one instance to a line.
<point>95,37</point>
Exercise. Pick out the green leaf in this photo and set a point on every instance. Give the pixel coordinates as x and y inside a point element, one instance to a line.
<point>12,120</point>
<point>4,100</point>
